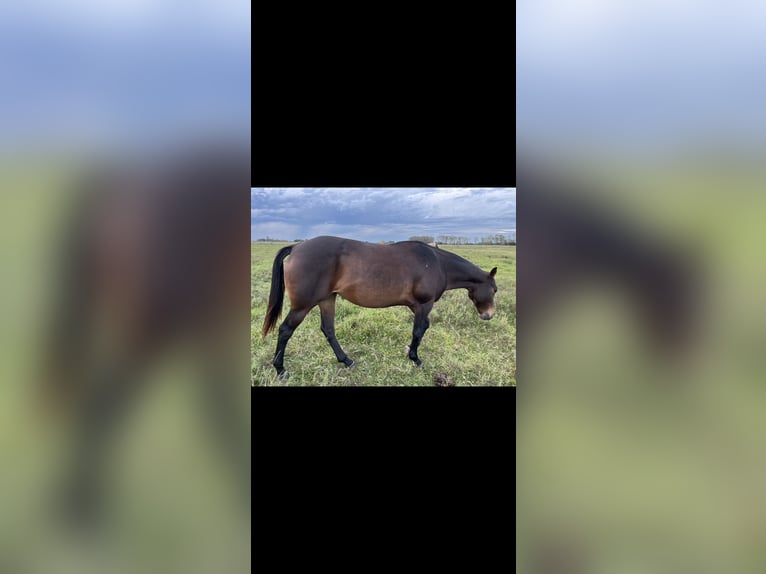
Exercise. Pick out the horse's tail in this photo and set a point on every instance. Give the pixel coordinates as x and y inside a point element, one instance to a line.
<point>277,294</point>
<point>66,348</point>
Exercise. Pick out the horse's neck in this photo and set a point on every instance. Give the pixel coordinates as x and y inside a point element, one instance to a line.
<point>460,272</point>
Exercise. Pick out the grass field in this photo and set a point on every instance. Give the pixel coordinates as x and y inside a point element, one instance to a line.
<point>629,464</point>
<point>457,345</point>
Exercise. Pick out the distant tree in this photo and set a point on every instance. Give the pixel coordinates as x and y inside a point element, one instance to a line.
<point>496,239</point>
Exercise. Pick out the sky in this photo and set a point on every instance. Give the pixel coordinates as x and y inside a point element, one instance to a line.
<point>616,73</point>
<point>92,74</point>
<point>381,214</point>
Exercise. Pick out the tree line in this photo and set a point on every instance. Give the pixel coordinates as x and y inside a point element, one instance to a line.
<point>496,239</point>
<point>272,240</point>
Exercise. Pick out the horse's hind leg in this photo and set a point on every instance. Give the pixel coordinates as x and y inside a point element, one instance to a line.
<point>115,388</point>
<point>419,329</point>
<point>286,329</point>
<point>327,310</point>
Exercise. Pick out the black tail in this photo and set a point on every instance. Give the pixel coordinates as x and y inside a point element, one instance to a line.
<point>66,348</point>
<point>277,294</point>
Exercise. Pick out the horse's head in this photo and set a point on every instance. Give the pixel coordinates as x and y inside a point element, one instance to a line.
<point>671,297</point>
<point>483,295</point>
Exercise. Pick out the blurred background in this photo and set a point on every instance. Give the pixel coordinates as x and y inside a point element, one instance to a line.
<point>124,169</point>
<point>646,120</point>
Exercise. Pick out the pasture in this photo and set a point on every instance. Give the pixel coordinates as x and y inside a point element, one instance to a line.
<point>628,463</point>
<point>458,348</point>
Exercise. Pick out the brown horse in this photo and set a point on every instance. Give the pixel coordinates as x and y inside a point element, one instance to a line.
<point>153,264</point>
<point>570,240</point>
<point>408,273</point>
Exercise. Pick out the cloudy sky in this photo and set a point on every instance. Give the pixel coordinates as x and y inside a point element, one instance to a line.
<point>89,73</point>
<point>375,214</point>
<point>623,73</point>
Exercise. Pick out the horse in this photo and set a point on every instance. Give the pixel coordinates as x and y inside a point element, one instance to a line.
<point>407,273</point>
<point>569,239</point>
<point>153,261</point>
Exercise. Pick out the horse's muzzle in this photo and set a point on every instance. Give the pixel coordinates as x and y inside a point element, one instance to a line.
<point>487,316</point>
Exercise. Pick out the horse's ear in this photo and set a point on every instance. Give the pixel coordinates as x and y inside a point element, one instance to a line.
<point>492,273</point>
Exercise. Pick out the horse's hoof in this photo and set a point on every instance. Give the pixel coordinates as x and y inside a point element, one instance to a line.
<point>350,364</point>
<point>418,363</point>
<point>284,375</point>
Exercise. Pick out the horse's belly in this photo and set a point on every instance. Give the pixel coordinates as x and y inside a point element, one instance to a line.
<point>374,298</point>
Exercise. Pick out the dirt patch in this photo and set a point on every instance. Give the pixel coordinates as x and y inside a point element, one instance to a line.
<point>443,380</point>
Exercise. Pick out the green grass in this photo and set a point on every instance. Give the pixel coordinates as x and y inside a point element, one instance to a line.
<point>628,462</point>
<point>458,343</point>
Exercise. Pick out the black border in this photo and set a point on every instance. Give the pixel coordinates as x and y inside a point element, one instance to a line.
<point>406,99</point>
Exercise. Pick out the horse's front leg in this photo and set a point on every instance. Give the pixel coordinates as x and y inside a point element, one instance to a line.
<point>419,328</point>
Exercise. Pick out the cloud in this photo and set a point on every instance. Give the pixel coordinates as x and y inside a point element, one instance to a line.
<point>381,213</point>
<point>90,74</point>
<point>613,72</point>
